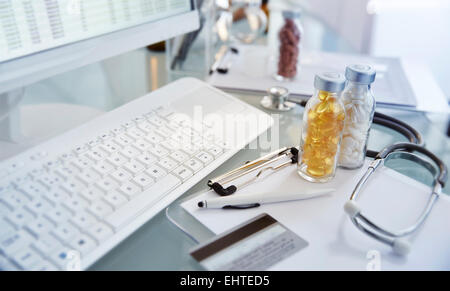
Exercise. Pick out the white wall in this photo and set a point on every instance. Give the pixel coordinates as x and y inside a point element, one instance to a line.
<point>416,30</point>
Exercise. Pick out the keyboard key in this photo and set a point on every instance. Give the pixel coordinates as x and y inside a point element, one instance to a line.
<point>100,209</point>
<point>83,243</point>
<point>31,190</point>
<point>58,215</point>
<point>183,173</point>
<point>156,121</point>
<point>56,196</point>
<point>130,152</point>
<point>121,175</point>
<point>106,136</point>
<point>51,165</point>
<point>65,232</point>
<point>96,154</point>
<point>140,203</point>
<point>49,181</point>
<point>117,160</point>
<point>194,164</point>
<point>179,156</point>
<point>6,265</point>
<point>38,205</point>
<point>158,151</point>
<point>37,172</point>
<point>107,184</point>
<point>115,199</point>
<point>75,204</point>
<point>204,157</point>
<point>21,180</point>
<point>123,140</point>
<point>164,111</point>
<point>6,227</point>
<point>94,142</point>
<point>67,171</point>
<point>142,145</point>
<point>135,133</point>
<point>171,145</point>
<point>154,138</point>
<point>147,127</point>
<point>83,220</point>
<point>64,258</point>
<point>134,167</point>
<point>82,162</point>
<point>38,227</point>
<point>14,199</point>
<point>215,151</point>
<point>100,232</point>
<point>129,190</point>
<point>110,147</point>
<point>81,149</point>
<point>44,266</point>
<point>13,242</point>
<point>46,245</point>
<point>88,176</point>
<point>167,163</point>
<point>26,258</point>
<point>155,172</point>
<point>4,209</point>
<point>103,168</point>
<point>128,124</point>
<point>19,217</point>
<point>118,130</point>
<point>91,194</point>
<point>139,119</point>
<point>72,186</point>
<point>147,159</point>
<point>143,181</point>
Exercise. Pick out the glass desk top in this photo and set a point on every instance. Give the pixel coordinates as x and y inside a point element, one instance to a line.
<point>159,245</point>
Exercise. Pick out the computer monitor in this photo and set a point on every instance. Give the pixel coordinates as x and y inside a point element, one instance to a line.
<point>42,38</point>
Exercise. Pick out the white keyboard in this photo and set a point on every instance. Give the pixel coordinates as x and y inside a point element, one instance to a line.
<point>67,202</point>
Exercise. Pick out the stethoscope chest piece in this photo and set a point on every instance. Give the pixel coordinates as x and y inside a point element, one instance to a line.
<point>277,100</point>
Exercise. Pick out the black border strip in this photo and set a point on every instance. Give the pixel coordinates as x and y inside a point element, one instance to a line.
<point>233,237</point>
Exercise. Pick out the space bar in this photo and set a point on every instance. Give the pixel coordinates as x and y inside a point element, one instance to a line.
<point>135,207</point>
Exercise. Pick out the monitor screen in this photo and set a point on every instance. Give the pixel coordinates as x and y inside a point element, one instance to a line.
<point>31,26</point>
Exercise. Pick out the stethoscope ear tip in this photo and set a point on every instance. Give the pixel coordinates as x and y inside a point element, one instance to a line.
<point>401,247</point>
<point>352,208</point>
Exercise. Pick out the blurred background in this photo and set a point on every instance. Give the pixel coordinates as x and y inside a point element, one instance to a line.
<point>416,30</point>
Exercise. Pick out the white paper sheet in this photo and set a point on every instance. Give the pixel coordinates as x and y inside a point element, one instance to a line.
<point>253,68</point>
<point>391,199</point>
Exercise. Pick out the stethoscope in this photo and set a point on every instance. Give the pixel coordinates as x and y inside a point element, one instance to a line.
<point>395,238</point>
<point>278,100</point>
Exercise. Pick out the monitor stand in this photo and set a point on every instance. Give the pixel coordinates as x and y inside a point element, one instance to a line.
<point>24,125</point>
<point>9,115</point>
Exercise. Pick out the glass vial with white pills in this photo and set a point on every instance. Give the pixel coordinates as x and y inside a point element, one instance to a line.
<point>323,122</point>
<point>359,105</point>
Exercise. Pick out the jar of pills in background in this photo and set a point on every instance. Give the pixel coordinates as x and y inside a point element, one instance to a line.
<point>359,105</point>
<point>290,35</point>
<point>323,123</point>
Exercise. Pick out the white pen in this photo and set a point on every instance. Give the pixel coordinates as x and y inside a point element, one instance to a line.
<point>243,201</point>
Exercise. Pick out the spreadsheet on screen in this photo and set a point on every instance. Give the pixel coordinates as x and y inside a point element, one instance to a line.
<point>31,26</point>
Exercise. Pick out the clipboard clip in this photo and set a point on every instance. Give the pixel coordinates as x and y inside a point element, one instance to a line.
<point>260,165</point>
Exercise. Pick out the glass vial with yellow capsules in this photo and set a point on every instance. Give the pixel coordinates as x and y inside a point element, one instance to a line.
<point>323,124</point>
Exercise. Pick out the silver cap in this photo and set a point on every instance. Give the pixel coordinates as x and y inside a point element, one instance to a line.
<point>291,14</point>
<point>360,73</point>
<point>329,81</point>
